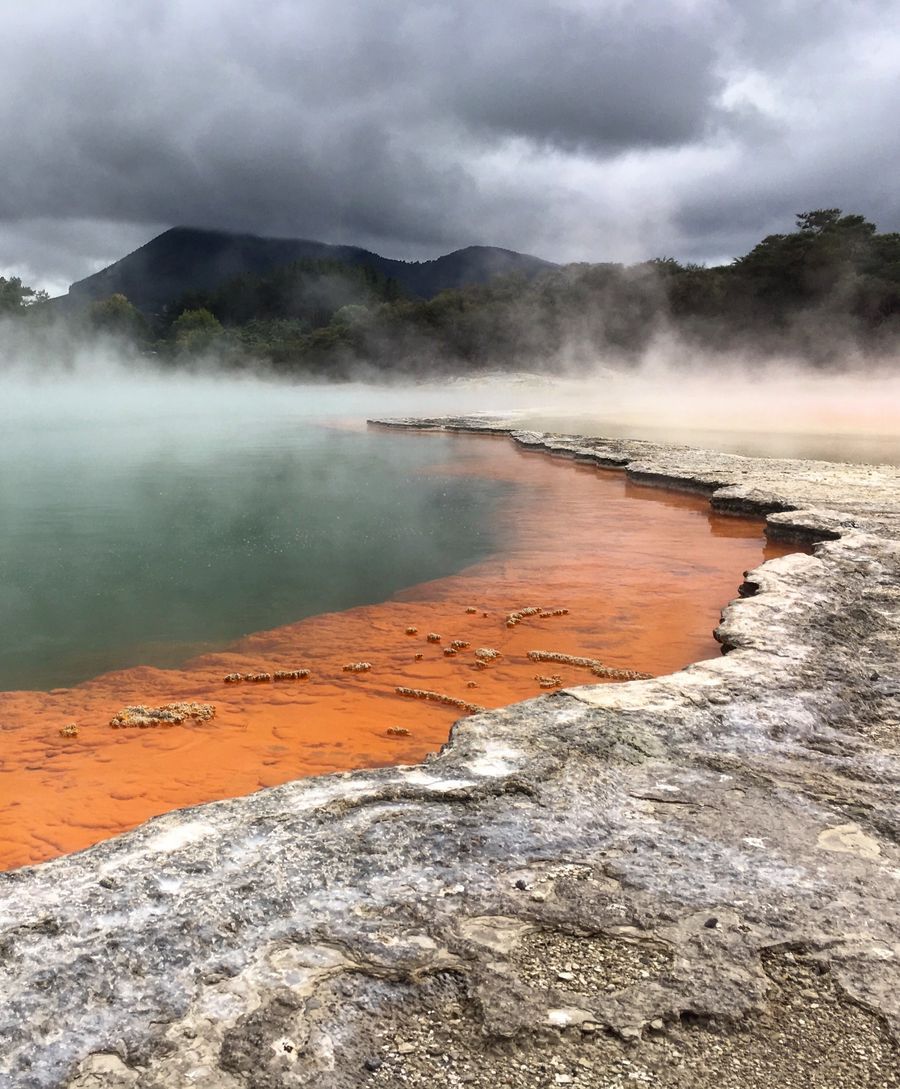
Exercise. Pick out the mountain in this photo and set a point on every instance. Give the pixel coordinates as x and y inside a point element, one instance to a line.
<point>188,259</point>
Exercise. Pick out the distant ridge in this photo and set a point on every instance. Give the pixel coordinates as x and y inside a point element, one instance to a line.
<point>188,259</point>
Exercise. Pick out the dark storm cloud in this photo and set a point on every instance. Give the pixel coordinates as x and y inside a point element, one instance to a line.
<point>593,129</point>
<point>579,78</point>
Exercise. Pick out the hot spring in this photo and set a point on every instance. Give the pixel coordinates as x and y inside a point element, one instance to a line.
<point>158,535</point>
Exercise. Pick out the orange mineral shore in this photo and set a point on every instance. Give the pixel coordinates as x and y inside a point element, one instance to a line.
<point>628,576</point>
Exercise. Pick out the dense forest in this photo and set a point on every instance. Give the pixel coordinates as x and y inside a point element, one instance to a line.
<point>830,286</point>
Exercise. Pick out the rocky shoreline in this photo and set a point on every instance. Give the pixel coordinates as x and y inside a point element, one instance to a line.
<point>690,881</point>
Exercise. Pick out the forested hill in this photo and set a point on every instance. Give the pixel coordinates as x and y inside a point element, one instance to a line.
<point>186,260</point>
<point>827,292</point>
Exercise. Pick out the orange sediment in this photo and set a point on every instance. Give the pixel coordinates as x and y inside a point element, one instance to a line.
<point>592,566</point>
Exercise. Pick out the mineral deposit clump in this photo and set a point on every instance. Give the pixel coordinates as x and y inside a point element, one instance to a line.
<point>168,714</point>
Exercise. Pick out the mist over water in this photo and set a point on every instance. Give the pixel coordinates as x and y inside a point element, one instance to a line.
<point>148,515</point>
<point>149,521</point>
<point>759,404</point>
<point>771,408</point>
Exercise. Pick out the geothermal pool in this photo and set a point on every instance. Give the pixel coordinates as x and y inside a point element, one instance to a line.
<point>145,559</point>
<point>137,544</point>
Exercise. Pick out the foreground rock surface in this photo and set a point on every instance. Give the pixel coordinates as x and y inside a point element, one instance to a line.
<point>685,882</point>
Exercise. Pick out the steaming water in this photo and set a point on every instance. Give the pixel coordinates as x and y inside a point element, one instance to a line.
<point>146,518</point>
<point>145,525</point>
<point>871,448</point>
<point>774,411</point>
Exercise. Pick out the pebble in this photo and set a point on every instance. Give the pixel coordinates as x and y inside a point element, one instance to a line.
<point>405,1048</point>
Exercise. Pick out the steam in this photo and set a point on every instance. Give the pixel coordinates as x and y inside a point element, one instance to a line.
<point>777,407</point>
<point>99,445</point>
<point>773,405</point>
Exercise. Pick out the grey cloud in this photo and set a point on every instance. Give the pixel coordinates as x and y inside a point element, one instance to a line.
<point>578,129</point>
<point>597,81</point>
<point>772,33</point>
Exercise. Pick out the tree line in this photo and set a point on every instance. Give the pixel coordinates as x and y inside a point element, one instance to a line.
<point>830,285</point>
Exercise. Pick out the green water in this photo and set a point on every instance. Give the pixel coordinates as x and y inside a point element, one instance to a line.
<point>149,525</point>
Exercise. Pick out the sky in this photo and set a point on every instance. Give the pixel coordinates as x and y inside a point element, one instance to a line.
<point>578,130</point>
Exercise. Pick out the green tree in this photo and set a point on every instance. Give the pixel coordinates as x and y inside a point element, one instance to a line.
<point>350,314</point>
<point>16,296</point>
<point>817,221</point>
<point>196,331</point>
<point>118,317</point>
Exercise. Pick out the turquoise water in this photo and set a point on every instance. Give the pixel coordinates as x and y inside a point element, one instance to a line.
<point>152,523</point>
